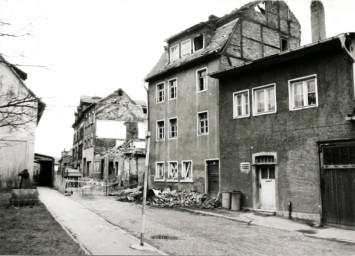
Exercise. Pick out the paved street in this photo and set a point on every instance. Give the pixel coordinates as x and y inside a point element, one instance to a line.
<point>193,234</point>
<point>95,235</point>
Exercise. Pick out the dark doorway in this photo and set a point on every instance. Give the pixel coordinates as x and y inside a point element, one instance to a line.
<point>102,169</point>
<point>213,176</point>
<point>338,182</point>
<point>45,177</point>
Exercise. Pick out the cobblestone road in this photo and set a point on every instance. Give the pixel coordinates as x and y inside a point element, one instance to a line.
<point>206,235</point>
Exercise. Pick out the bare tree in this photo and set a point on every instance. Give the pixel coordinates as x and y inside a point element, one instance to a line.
<point>19,107</point>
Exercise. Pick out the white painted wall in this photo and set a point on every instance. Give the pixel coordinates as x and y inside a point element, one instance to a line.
<point>16,146</point>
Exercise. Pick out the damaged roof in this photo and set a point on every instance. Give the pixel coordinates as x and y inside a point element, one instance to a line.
<point>342,41</point>
<point>223,28</point>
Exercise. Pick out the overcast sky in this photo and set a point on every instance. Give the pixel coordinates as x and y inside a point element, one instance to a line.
<point>93,47</point>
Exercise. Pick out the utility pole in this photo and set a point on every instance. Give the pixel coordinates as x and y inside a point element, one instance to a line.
<point>145,187</point>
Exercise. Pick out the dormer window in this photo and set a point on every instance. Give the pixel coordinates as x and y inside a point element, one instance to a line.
<point>185,47</point>
<point>198,43</point>
<point>284,44</point>
<point>174,52</point>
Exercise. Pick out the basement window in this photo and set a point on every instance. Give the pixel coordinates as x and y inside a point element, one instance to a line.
<point>159,171</point>
<point>186,171</point>
<point>173,171</point>
<point>285,44</point>
<point>198,43</point>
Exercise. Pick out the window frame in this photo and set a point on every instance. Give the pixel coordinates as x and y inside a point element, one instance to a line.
<point>235,112</point>
<point>158,91</point>
<point>158,131</point>
<point>189,41</point>
<point>178,52</point>
<point>284,39</point>
<point>203,42</point>
<point>198,123</point>
<point>169,88</point>
<point>177,129</point>
<point>263,87</point>
<point>182,179</point>
<point>197,80</point>
<point>156,169</point>
<point>291,95</point>
<point>168,179</point>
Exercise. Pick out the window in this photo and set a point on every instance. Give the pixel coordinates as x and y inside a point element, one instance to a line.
<point>160,93</point>
<point>303,93</point>
<point>264,100</point>
<point>241,104</point>
<point>201,80</point>
<point>174,52</point>
<point>185,47</point>
<point>186,171</point>
<point>159,171</point>
<point>160,130</point>
<point>173,128</point>
<point>284,44</point>
<point>173,171</point>
<point>202,123</point>
<point>198,42</point>
<point>172,89</point>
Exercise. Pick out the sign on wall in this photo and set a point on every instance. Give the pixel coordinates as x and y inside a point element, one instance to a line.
<point>245,167</point>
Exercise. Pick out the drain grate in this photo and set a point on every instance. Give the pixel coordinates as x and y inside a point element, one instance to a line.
<point>164,237</point>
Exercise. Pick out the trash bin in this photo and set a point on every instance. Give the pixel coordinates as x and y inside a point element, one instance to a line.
<point>226,200</point>
<point>236,199</point>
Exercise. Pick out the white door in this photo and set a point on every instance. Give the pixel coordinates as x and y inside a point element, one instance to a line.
<point>267,196</point>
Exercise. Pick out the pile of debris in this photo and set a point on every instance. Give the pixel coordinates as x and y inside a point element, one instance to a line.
<point>170,198</point>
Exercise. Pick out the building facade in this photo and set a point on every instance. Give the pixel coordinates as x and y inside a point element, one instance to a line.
<point>184,101</point>
<point>20,112</point>
<point>105,124</point>
<point>287,135</point>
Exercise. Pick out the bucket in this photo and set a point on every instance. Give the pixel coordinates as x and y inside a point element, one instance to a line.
<point>226,200</point>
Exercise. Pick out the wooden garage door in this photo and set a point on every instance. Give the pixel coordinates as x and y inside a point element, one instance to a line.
<point>338,183</point>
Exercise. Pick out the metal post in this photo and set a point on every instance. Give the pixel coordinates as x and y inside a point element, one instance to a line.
<point>145,187</point>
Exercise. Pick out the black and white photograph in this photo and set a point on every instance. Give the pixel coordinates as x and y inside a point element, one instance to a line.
<point>165,127</point>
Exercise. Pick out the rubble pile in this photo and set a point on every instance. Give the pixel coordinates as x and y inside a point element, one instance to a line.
<point>170,198</point>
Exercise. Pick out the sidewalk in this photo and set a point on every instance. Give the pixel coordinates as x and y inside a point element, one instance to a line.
<point>94,234</point>
<point>331,233</point>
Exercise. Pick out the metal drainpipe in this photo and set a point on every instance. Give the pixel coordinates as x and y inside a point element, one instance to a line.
<point>290,210</point>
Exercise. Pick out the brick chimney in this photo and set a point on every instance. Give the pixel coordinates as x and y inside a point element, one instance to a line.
<point>317,20</point>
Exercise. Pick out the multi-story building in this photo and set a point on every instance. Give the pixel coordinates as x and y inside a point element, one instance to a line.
<point>287,135</point>
<point>103,124</point>
<point>184,101</point>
